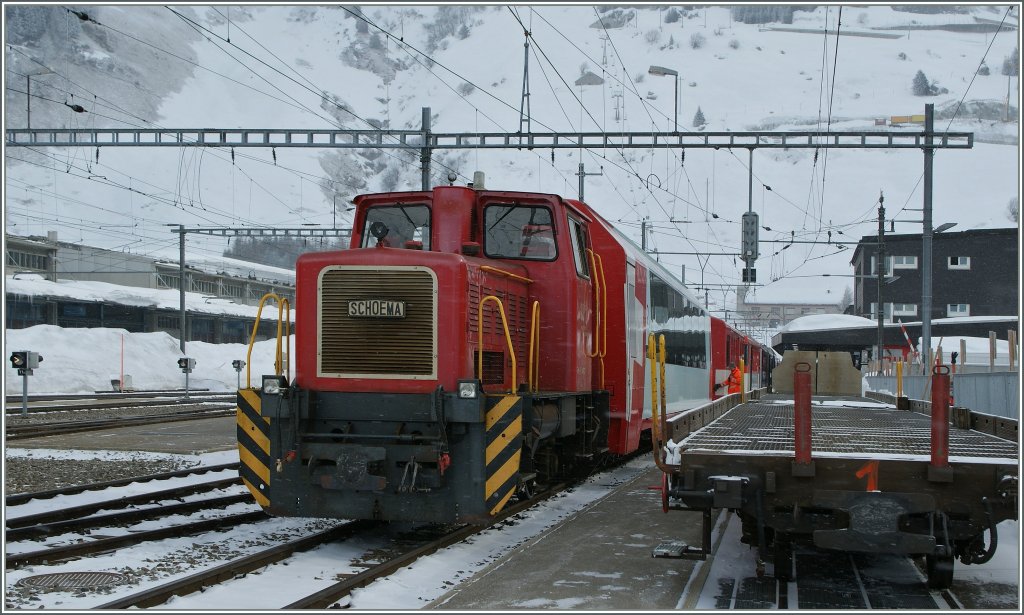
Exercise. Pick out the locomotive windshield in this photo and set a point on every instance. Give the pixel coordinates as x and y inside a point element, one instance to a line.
<point>519,231</point>
<point>404,223</point>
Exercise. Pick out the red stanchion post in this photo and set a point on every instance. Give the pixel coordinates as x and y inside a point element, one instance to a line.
<point>802,412</point>
<point>940,416</point>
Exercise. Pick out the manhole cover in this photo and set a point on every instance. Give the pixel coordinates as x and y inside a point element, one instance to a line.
<point>72,580</point>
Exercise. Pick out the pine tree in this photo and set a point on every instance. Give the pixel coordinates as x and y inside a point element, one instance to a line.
<point>921,86</point>
<point>698,118</point>
<point>1011,64</point>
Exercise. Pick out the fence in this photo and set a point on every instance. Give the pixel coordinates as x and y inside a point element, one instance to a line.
<point>996,393</point>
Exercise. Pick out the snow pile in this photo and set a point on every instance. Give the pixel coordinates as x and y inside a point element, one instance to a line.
<point>86,360</point>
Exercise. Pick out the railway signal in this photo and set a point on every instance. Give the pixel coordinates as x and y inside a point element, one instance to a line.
<point>186,364</point>
<point>238,364</point>
<point>25,361</point>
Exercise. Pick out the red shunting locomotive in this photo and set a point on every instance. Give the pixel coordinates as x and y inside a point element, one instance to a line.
<point>469,345</point>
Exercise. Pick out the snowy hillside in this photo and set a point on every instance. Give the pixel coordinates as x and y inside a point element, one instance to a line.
<point>342,66</point>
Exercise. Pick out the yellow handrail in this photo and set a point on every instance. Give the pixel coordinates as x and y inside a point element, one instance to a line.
<point>534,365</point>
<point>282,306</point>
<point>656,424</point>
<point>663,427</point>
<point>597,304</point>
<point>480,339</point>
<point>507,274</point>
<point>604,315</point>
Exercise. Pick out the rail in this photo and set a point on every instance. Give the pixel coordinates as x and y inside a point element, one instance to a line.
<point>282,306</point>
<point>480,333</point>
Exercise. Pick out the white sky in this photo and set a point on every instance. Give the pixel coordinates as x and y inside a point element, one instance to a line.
<point>742,78</point>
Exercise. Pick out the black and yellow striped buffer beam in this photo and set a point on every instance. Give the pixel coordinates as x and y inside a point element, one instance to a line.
<point>253,445</point>
<point>504,440</point>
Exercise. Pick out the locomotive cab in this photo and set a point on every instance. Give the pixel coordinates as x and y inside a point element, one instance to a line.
<point>442,362</point>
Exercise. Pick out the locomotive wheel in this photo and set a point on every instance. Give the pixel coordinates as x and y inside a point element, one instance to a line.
<point>940,571</point>
<point>664,493</point>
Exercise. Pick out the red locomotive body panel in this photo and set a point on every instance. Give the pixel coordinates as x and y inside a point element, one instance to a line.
<point>414,396</point>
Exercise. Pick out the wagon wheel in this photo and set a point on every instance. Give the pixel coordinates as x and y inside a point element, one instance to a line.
<point>940,571</point>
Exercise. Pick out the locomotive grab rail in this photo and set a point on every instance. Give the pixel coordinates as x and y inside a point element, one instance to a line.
<point>282,305</point>
<point>533,373</point>
<point>600,312</point>
<point>480,340</point>
<point>507,274</point>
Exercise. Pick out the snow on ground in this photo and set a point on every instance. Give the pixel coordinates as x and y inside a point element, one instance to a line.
<point>86,360</point>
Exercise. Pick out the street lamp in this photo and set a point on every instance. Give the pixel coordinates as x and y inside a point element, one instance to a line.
<point>661,71</point>
<point>28,93</point>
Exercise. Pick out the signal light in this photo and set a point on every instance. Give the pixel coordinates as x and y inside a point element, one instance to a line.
<point>19,359</point>
<point>186,364</point>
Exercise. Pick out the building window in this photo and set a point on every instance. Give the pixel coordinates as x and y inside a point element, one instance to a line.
<point>958,309</point>
<point>775,311</point>
<point>904,309</point>
<point>904,262</point>
<point>874,267</point>
<point>959,262</point>
<point>886,314</point>
<point>27,260</point>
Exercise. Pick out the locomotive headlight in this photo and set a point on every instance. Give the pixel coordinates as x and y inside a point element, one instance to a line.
<point>468,389</point>
<point>274,385</point>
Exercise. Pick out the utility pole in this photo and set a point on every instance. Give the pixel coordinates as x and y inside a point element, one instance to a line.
<point>181,285</point>
<point>881,275</point>
<point>524,103</point>
<point>926,241</point>
<point>581,174</point>
<point>425,151</point>
<point>643,234</point>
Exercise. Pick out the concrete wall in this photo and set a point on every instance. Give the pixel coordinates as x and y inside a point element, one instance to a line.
<point>996,393</point>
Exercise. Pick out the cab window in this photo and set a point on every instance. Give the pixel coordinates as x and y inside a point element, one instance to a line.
<point>578,235</point>
<point>399,226</point>
<point>519,231</point>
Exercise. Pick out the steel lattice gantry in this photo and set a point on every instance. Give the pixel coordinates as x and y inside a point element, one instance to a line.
<point>419,139</point>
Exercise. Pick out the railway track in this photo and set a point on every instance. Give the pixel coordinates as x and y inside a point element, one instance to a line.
<point>21,498</point>
<point>82,519</point>
<point>20,431</point>
<point>67,405</point>
<point>324,598</point>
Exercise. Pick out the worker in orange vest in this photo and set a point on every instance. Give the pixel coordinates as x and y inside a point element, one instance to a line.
<point>735,379</point>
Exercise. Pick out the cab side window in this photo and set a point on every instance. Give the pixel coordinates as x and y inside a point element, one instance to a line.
<point>519,231</point>
<point>578,236</point>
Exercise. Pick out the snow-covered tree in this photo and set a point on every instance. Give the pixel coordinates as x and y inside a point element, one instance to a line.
<point>921,85</point>
<point>698,119</point>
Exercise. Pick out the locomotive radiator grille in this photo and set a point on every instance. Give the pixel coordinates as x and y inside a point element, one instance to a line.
<point>402,344</point>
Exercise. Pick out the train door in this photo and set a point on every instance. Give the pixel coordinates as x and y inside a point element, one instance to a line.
<point>634,334</point>
<point>588,370</point>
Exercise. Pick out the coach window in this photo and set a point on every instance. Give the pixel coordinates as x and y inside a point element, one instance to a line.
<point>405,224</point>
<point>578,234</point>
<point>519,231</point>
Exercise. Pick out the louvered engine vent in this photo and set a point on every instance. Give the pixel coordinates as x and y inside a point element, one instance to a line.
<point>378,322</point>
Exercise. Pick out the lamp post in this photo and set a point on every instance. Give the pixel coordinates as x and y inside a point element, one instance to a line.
<point>28,93</point>
<point>661,71</point>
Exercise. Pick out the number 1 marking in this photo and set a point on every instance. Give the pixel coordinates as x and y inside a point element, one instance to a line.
<point>870,469</point>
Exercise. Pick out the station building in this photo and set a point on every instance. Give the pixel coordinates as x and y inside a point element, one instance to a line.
<point>221,295</point>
